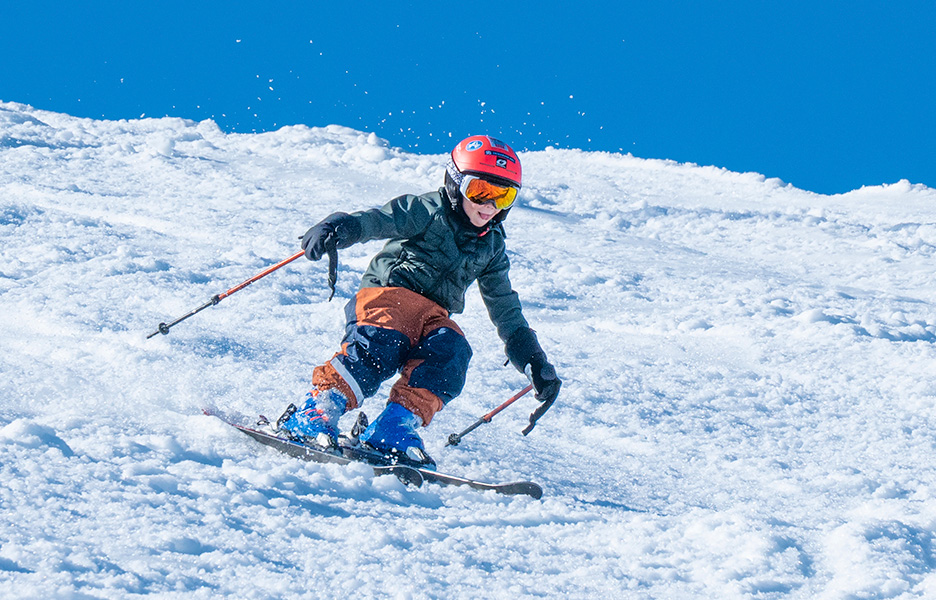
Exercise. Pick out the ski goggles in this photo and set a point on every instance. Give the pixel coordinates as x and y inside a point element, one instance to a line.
<point>480,191</point>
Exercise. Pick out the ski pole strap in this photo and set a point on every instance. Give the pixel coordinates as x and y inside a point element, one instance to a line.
<point>331,247</point>
<point>542,408</point>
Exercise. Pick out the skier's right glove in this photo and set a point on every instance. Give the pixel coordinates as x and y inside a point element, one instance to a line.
<point>340,229</point>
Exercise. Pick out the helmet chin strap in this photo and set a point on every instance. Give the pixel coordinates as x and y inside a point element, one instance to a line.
<point>453,193</point>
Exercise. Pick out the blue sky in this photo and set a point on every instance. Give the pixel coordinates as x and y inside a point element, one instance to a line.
<point>828,96</point>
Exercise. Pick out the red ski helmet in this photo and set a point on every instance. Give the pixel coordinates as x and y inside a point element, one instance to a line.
<point>488,158</point>
<point>485,157</point>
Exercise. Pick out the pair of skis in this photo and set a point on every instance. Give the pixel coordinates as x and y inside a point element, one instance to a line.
<point>409,475</point>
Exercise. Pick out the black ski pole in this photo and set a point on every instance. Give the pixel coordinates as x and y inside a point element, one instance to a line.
<point>164,327</point>
<point>455,438</point>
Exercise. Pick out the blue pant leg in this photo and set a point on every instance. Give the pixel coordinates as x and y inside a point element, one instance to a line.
<point>443,356</point>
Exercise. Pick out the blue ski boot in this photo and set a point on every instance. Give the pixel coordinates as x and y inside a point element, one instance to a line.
<point>393,433</point>
<point>316,423</point>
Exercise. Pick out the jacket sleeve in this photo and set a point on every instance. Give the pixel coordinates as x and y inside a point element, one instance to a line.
<point>403,217</point>
<point>502,302</point>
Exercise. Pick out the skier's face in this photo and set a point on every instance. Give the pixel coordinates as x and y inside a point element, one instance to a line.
<point>479,214</point>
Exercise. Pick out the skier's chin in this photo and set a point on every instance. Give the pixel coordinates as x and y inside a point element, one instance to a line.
<point>481,219</point>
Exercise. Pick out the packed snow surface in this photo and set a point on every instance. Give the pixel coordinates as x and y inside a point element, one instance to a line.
<point>747,411</point>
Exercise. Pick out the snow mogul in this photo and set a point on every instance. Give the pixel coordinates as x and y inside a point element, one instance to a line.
<point>400,320</point>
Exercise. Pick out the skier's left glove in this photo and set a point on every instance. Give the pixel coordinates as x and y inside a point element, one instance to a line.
<point>545,382</point>
<point>526,355</point>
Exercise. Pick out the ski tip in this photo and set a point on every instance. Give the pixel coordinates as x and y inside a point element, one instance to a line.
<point>522,488</point>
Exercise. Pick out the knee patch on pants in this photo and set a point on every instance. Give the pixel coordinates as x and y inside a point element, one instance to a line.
<point>434,373</point>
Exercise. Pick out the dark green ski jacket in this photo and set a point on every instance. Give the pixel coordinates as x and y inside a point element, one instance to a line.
<point>437,253</point>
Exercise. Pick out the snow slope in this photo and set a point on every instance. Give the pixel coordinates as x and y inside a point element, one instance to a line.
<point>748,408</point>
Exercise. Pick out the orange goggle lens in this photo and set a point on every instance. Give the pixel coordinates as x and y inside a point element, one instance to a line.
<point>481,191</point>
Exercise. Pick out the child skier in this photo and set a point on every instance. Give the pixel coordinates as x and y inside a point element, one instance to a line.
<point>399,321</point>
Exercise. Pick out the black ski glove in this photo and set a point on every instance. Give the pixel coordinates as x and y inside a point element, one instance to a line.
<point>526,355</point>
<point>340,229</point>
<point>545,381</point>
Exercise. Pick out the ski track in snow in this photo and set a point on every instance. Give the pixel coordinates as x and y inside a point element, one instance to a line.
<point>747,410</point>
